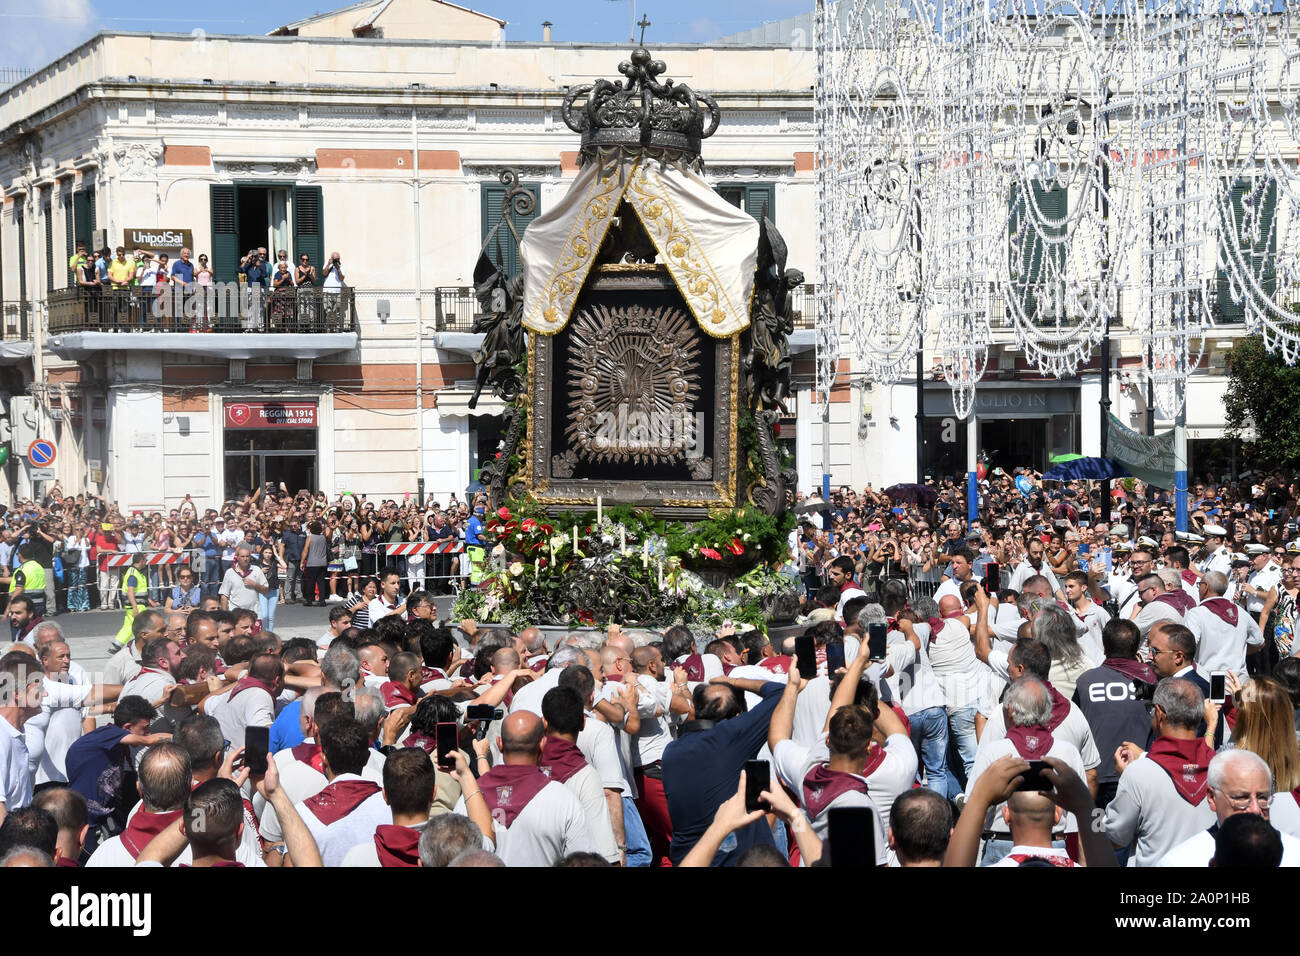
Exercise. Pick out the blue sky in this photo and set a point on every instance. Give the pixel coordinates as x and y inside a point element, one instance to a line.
<point>33,34</point>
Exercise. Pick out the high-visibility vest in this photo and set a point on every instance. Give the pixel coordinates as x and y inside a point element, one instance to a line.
<point>136,579</point>
<point>33,576</point>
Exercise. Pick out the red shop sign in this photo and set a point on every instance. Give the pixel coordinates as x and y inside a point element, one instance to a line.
<point>270,414</point>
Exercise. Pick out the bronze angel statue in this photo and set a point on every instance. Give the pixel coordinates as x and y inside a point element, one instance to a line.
<point>501,301</point>
<point>772,320</point>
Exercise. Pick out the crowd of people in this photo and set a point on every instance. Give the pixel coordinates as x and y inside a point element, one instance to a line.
<point>1073,687</point>
<point>143,289</point>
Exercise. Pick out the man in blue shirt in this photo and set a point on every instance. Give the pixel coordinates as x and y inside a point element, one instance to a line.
<point>183,268</point>
<point>99,764</point>
<point>701,767</point>
<point>294,542</point>
<point>474,544</point>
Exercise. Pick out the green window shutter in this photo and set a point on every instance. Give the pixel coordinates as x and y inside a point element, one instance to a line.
<point>493,195</point>
<point>21,223</point>
<point>83,218</point>
<point>1256,242</point>
<point>47,212</point>
<point>1028,272</point>
<point>760,201</point>
<point>225,232</point>
<point>309,227</point>
<point>69,238</point>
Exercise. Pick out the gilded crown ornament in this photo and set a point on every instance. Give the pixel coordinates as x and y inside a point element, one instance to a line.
<point>641,113</point>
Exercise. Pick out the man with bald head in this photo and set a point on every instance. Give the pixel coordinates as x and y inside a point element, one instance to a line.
<point>960,675</point>
<point>536,820</point>
<point>125,664</point>
<point>534,649</point>
<point>175,626</point>
<point>1224,632</point>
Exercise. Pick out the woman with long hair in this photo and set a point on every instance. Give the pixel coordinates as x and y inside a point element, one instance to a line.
<point>1265,726</point>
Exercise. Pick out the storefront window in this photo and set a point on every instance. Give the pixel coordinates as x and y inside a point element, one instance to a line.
<point>269,444</point>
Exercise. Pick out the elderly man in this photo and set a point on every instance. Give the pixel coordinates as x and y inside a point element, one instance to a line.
<point>1027,713</point>
<point>71,816</point>
<point>23,679</point>
<point>243,584</point>
<point>125,663</point>
<point>536,821</point>
<point>1161,798</point>
<point>165,781</point>
<point>1238,782</point>
<point>174,623</point>
<point>1158,603</point>
<point>1224,633</point>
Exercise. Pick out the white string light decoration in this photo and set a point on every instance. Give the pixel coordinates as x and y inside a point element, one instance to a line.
<point>1254,169</point>
<point>1070,211</point>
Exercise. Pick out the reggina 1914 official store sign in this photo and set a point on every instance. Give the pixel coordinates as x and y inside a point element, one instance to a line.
<point>270,414</point>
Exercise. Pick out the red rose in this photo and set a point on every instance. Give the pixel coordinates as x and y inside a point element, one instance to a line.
<point>736,547</point>
<point>710,553</point>
<point>503,513</point>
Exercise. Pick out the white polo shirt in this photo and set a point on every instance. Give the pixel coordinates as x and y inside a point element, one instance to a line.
<point>550,827</point>
<point>237,592</point>
<point>15,769</point>
<point>251,708</point>
<point>530,695</point>
<point>1221,646</point>
<point>653,707</point>
<point>890,780</point>
<point>1198,849</point>
<point>334,840</point>
<point>1147,806</point>
<point>995,751</point>
<point>1074,729</point>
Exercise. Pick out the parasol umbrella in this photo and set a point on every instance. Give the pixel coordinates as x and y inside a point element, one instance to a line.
<point>920,494</point>
<point>1094,469</point>
<point>810,505</point>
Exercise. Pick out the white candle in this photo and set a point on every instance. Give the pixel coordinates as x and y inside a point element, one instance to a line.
<point>661,575</point>
<point>575,540</point>
<point>622,540</point>
<point>645,553</point>
<point>537,569</point>
<point>600,508</point>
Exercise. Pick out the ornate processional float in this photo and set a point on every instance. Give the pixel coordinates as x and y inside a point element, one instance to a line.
<point>643,357</point>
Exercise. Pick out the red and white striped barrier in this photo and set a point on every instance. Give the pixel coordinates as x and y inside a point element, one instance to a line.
<point>120,559</point>
<point>426,547</point>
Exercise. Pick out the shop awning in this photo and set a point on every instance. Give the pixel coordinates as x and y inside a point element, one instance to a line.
<point>454,403</point>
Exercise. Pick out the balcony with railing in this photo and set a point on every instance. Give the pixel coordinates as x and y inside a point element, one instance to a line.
<point>232,320</point>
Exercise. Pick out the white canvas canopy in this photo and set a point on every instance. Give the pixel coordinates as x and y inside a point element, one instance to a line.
<point>708,245</point>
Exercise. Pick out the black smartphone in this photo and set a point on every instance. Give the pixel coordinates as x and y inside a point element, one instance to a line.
<point>758,777</point>
<point>851,836</point>
<point>483,712</point>
<point>992,578</point>
<point>1219,686</point>
<point>834,657</point>
<point>257,745</point>
<point>1033,778</point>
<point>805,652</point>
<point>446,737</point>
<point>877,632</point>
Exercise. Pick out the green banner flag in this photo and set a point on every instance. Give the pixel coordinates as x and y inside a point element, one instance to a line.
<point>1150,458</point>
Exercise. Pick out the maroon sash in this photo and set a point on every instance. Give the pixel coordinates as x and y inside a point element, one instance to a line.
<point>694,665</point>
<point>1188,578</point>
<point>396,695</point>
<point>780,664</point>
<point>67,861</point>
<point>397,846</point>
<point>310,754</point>
<point>875,757</point>
<point>340,798</point>
<point>218,863</point>
<point>246,682</point>
<point>1060,707</point>
<point>508,788</point>
<point>1295,795</point>
<point>1032,743</point>
<point>1021,858</point>
<point>431,673</point>
<point>822,786</point>
<point>538,666</point>
<point>144,826</point>
<point>1188,764</point>
<point>560,759</point>
<point>416,739</point>
<point>1179,600</point>
<point>1134,670</point>
<point>1223,609</point>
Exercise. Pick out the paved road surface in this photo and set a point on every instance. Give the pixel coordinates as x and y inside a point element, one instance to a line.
<point>90,633</point>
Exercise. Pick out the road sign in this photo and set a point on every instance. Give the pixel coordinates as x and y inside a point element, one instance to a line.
<point>41,474</point>
<point>41,453</point>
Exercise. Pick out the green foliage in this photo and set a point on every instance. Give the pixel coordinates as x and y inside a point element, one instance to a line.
<point>1264,391</point>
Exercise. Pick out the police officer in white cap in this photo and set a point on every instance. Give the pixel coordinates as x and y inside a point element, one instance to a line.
<point>1260,587</point>
<point>1220,558</point>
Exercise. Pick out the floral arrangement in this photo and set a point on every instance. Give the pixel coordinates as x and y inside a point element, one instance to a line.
<point>628,566</point>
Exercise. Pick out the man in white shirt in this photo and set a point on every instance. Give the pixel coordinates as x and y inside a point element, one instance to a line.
<point>536,820</point>
<point>1089,617</point>
<point>1238,782</point>
<point>409,786</point>
<point>389,600</point>
<point>1219,558</point>
<point>863,758</point>
<point>1027,709</point>
<point>840,575</point>
<point>251,701</point>
<point>340,621</point>
<point>960,673</point>
<point>660,702</point>
<point>124,664</point>
<point>350,808</point>
<point>961,568</point>
<point>598,744</point>
<point>228,539</point>
<point>24,687</point>
<point>1225,633</point>
<point>158,663</point>
<point>1032,566</point>
<point>243,584</point>
<point>529,697</point>
<point>562,760</point>
<point>1161,797</point>
<point>165,781</point>
<point>1261,586</point>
